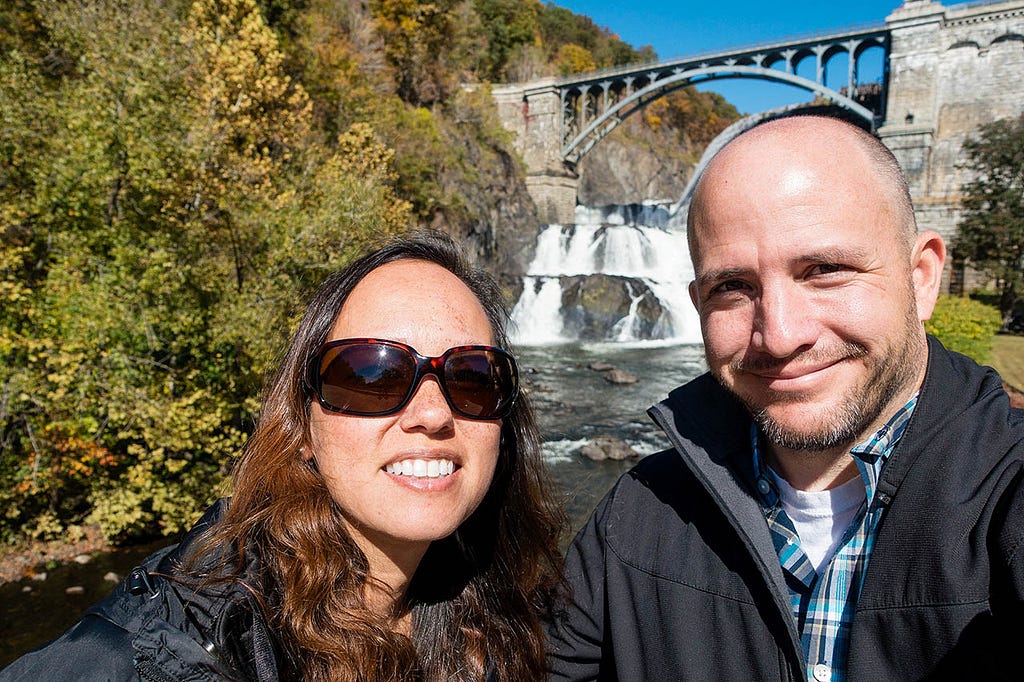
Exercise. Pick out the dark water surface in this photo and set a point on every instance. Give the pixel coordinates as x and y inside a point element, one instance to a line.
<point>573,403</point>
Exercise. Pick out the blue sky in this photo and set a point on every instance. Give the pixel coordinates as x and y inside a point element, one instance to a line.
<point>676,28</point>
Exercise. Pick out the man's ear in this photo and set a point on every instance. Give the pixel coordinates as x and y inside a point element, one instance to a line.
<point>693,295</point>
<point>927,261</point>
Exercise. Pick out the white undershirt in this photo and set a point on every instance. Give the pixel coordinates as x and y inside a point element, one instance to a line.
<point>820,518</point>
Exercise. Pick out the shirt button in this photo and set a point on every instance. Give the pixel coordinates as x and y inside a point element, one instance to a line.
<point>822,673</point>
<point>763,486</point>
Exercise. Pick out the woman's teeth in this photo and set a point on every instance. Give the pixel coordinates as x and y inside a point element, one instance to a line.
<point>421,468</point>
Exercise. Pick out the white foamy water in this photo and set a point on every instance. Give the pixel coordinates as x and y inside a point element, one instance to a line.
<point>562,451</point>
<point>614,241</point>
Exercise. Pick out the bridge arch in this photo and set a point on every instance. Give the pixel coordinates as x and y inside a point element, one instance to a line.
<point>1009,38</point>
<point>584,104</point>
<point>929,51</point>
<point>593,104</point>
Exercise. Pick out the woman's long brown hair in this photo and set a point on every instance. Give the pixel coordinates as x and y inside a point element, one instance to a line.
<point>478,597</point>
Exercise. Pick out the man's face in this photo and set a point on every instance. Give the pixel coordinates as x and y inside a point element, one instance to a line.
<point>806,296</point>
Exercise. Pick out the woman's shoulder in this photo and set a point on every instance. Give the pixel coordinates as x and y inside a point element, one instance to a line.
<point>138,631</point>
<point>94,649</point>
<point>158,623</point>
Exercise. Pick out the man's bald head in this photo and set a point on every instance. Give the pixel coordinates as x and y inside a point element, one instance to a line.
<point>816,142</point>
<point>812,287</point>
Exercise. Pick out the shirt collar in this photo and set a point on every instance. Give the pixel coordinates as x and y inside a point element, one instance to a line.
<point>869,455</point>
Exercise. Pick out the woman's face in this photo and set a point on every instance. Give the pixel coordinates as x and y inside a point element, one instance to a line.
<point>425,306</point>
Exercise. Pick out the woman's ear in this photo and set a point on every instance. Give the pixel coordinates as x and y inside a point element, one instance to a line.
<point>927,262</point>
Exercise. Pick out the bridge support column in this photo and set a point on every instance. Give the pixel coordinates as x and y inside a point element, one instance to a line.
<point>555,197</point>
<point>534,115</point>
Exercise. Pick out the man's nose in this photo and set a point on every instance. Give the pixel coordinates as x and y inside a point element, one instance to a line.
<point>784,321</point>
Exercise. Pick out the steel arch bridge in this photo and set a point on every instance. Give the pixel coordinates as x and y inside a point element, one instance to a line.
<point>593,104</point>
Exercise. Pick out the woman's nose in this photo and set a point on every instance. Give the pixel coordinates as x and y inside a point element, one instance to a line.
<point>427,409</point>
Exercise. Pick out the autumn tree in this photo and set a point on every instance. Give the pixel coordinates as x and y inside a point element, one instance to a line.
<point>572,58</point>
<point>176,176</point>
<point>991,235</point>
<point>418,40</point>
<point>559,26</point>
<point>86,173</point>
<point>165,212</point>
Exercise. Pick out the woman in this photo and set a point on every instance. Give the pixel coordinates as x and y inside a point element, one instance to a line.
<point>390,517</point>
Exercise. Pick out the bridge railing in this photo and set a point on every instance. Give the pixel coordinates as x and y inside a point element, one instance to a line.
<point>973,3</point>
<point>807,37</point>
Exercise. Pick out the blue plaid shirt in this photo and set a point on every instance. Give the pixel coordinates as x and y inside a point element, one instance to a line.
<point>824,604</point>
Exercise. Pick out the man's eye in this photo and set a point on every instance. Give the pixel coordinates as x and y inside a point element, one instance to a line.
<point>826,269</point>
<point>729,285</point>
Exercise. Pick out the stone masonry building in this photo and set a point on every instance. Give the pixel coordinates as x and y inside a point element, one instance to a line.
<point>951,70</point>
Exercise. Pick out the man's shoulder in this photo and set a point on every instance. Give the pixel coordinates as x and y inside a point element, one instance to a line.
<point>659,468</point>
<point>703,413</point>
<point>959,391</point>
<point>658,484</point>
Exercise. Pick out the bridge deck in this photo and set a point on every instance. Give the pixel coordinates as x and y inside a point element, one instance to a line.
<point>794,42</point>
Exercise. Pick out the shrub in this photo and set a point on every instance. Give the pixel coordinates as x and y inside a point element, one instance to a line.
<point>965,326</point>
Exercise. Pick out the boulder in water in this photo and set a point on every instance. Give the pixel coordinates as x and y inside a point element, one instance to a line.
<point>619,376</point>
<point>592,305</point>
<point>608,447</point>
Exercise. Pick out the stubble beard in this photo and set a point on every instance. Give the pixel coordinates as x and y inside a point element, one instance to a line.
<point>844,424</point>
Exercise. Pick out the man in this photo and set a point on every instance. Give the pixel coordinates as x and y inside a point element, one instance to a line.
<point>844,497</point>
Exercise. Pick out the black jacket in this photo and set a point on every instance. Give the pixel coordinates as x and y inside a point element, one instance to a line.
<point>156,629</point>
<point>675,575</point>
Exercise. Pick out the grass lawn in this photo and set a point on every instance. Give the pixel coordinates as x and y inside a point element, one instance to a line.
<point>1008,359</point>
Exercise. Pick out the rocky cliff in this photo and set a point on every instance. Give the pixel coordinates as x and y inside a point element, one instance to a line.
<point>631,168</point>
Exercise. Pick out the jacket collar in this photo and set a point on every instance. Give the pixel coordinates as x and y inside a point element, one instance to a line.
<point>709,429</point>
<point>977,389</point>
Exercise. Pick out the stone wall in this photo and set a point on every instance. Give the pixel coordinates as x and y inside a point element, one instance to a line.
<point>951,70</point>
<point>533,113</point>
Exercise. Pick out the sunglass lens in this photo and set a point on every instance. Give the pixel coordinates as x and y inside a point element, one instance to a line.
<point>480,383</point>
<point>366,378</point>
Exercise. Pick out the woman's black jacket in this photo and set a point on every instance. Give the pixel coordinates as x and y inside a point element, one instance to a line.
<point>159,629</point>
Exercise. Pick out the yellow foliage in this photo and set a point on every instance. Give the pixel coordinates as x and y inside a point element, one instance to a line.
<point>247,112</point>
<point>360,153</point>
<point>572,58</point>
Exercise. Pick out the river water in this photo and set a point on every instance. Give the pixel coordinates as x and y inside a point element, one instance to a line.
<point>573,403</point>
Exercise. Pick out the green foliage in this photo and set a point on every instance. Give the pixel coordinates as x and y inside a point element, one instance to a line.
<point>166,208</point>
<point>527,39</point>
<point>965,326</point>
<point>991,233</point>
<point>559,26</point>
<point>507,24</point>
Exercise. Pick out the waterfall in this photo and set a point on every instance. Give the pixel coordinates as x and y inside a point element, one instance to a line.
<point>619,273</point>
